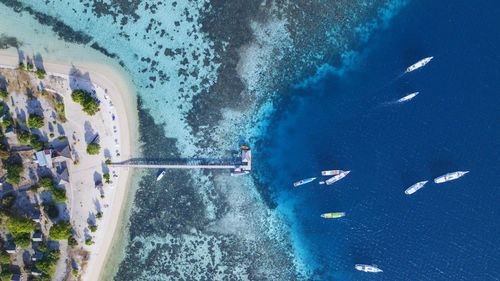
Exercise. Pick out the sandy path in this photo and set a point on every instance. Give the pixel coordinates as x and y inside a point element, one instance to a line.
<point>120,91</point>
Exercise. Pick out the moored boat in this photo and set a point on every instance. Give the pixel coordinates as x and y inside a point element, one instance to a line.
<point>304,181</point>
<point>160,176</point>
<point>368,268</point>
<point>412,189</point>
<point>333,215</point>
<point>331,172</point>
<point>337,177</point>
<point>450,176</point>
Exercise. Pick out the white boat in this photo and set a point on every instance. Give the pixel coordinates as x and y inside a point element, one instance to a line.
<point>408,97</point>
<point>368,268</point>
<point>337,177</point>
<point>304,181</point>
<point>450,176</point>
<point>160,176</point>
<point>412,189</point>
<point>419,64</point>
<point>331,172</point>
<point>240,173</point>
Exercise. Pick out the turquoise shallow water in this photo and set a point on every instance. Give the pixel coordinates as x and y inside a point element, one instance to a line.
<point>208,75</point>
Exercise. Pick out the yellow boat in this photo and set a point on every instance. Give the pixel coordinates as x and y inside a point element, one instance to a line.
<point>244,147</point>
<point>333,215</point>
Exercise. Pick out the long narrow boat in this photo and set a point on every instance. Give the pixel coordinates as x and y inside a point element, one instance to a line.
<point>333,215</point>
<point>331,172</point>
<point>337,177</point>
<point>368,268</point>
<point>304,181</point>
<point>412,189</point>
<point>160,176</point>
<point>450,176</point>
<point>419,64</point>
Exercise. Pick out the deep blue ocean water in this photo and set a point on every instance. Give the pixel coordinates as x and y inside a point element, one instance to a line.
<point>443,232</point>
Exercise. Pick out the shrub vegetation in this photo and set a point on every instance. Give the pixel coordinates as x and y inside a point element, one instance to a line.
<point>47,265</point>
<point>13,172</point>
<point>35,121</point>
<point>93,148</point>
<point>23,136</point>
<point>40,73</point>
<point>89,104</point>
<point>4,94</point>
<point>60,231</point>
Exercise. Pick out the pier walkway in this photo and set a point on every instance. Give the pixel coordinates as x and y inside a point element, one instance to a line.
<point>243,167</point>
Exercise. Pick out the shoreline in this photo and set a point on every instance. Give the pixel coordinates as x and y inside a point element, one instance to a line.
<point>120,92</point>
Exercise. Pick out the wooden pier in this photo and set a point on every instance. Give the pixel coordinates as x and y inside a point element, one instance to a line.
<point>243,168</point>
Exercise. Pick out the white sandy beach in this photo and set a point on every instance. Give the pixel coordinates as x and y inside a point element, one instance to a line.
<point>121,112</point>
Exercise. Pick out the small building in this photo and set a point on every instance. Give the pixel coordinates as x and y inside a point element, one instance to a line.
<point>62,172</point>
<point>62,153</point>
<point>35,217</point>
<point>37,237</point>
<point>37,256</point>
<point>10,248</point>
<point>44,158</point>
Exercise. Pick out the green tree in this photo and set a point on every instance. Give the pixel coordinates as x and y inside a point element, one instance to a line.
<point>108,162</point>
<point>6,123</point>
<point>88,241</point>
<point>35,121</point>
<point>40,73</point>
<point>42,247</point>
<point>93,148</point>
<point>29,66</point>
<point>98,215</point>
<point>4,151</point>
<point>13,172</point>
<point>47,264</point>
<point>36,143</point>
<point>6,274</point>
<point>8,200</point>
<point>4,257</point>
<point>18,225</point>
<point>61,139</point>
<point>4,94</point>
<point>22,240</point>
<point>46,182</point>
<point>89,104</point>
<point>58,194</point>
<point>106,177</point>
<point>93,228</point>
<point>23,136</point>
<point>60,231</point>
<point>51,210</point>
<point>21,66</point>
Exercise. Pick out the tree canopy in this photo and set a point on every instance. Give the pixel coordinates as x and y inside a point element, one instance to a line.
<point>47,265</point>
<point>14,172</point>
<point>23,240</point>
<point>60,231</point>
<point>36,143</point>
<point>89,104</point>
<point>4,257</point>
<point>93,148</point>
<point>23,136</point>
<point>19,225</point>
<point>58,194</point>
<point>4,94</point>
<point>35,121</point>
